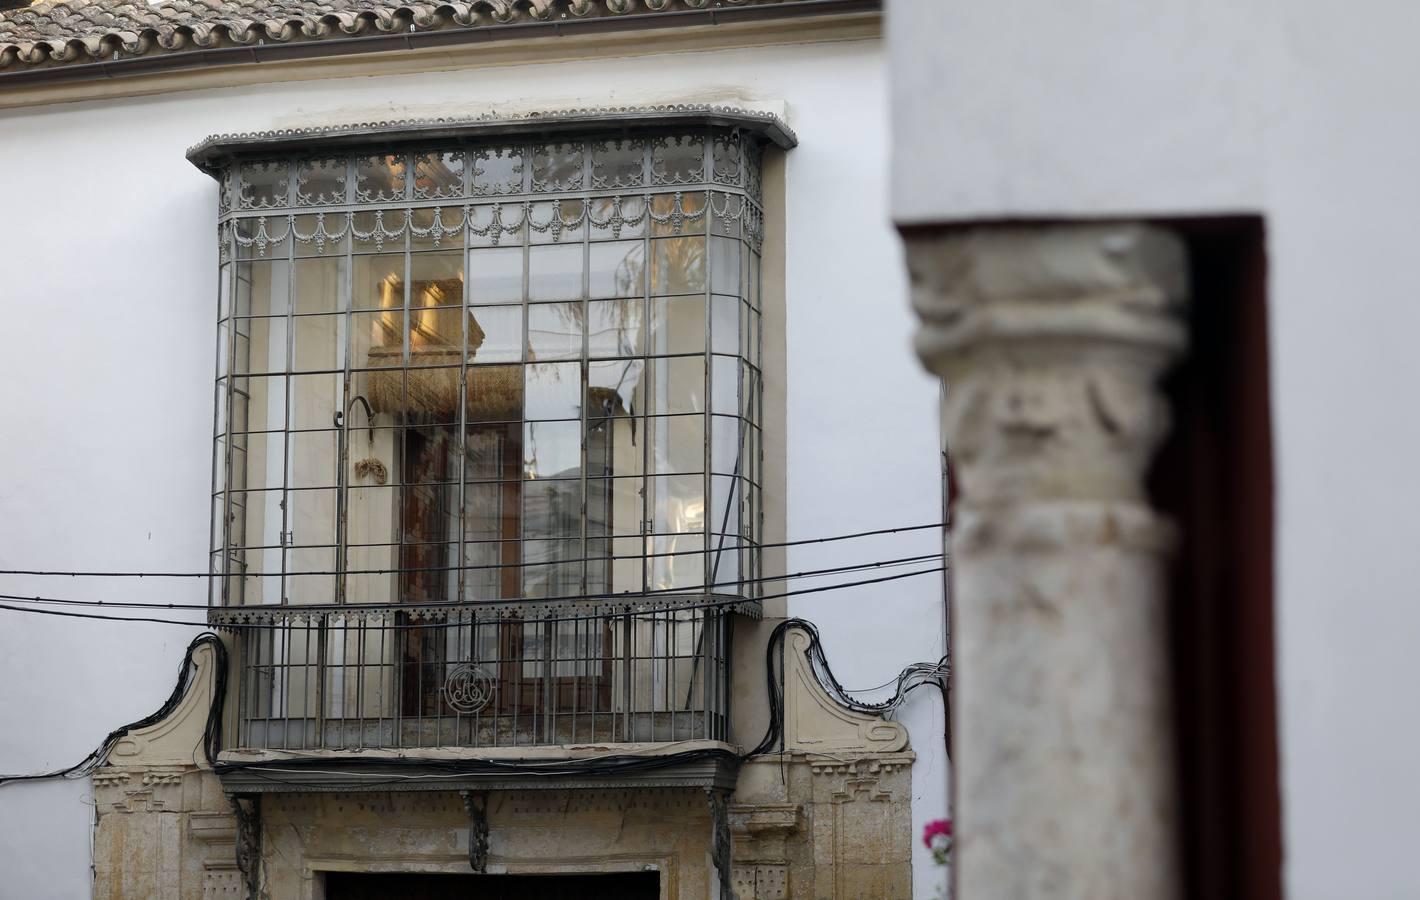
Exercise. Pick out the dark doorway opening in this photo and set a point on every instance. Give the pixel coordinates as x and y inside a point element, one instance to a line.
<point>399,886</point>
<point>1214,478</point>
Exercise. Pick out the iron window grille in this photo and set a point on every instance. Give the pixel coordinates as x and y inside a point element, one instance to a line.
<point>488,424</point>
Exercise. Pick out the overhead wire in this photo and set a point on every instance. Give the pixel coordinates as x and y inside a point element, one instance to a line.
<point>40,573</point>
<point>716,604</point>
<point>458,604</point>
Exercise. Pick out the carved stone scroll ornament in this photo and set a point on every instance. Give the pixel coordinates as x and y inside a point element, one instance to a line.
<point>475,803</point>
<point>1050,340</point>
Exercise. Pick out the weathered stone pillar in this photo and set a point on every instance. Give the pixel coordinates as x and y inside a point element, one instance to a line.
<point>1050,340</point>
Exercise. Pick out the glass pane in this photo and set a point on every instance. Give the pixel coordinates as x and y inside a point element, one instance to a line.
<point>378,282</point>
<point>372,514</point>
<point>377,339</point>
<point>725,505</point>
<point>316,399</point>
<point>618,163</point>
<point>677,503</point>
<point>677,325</point>
<point>257,520</point>
<point>725,385</point>
<point>261,345</point>
<point>555,272</point>
<point>491,572</point>
<point>614,328</point>
<point>263,239</point>
<point>614,506</point>
<point>257,461</point>
<point>376,398</point>
<point>618,269</point>
<point>725,325</point>
<point>433,395</point>
<point>677,443</point>
<point>319,343</point>
<point>492,510</point>
<point>676,385</point>
<point>552,450</point>
<point>553,390</point>
<point>495,334</point>
<point>493,452</point>
<point>725,266</point>
<point>678,265</point>
<point>377,231</point>
<point>557,167</point>
<point>440,228</point>
<point>438,175</point>
<point>319,283</point>
<point>436,279</point>
<point>495,275</point>
<point>552,509</point>
<point>310,517</point>
<point>725,453</point>
<point>615,565</point>
<point>314,459</point>
<point>678,159</point>
<point>555,331</point>
<point>259,403</point>
<point>725,552</point>
<point>551,568</point>
<point>303,585</point>
<point>379,179</point>
<point>672,216</point>
<point>495,393</point>
<point>372,579</point>
<point>548,221</point>
<point>263,184</point>
<point>613,218</point>
<point>614,389</point>
<point>263,288</point>
<point>320,182</point>
<point>677,561</point>
<point>497,170</point>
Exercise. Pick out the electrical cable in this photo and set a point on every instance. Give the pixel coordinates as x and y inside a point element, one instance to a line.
<point>243,626</point>
<point>600,766</point>
<point>459,604</point>
<point>468,568</point>
<point>185,673</point>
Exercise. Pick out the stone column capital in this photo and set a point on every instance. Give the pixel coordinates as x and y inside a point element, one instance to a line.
<point>1050,339</point>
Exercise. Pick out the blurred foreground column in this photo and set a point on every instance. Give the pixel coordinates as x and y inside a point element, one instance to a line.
<point>1051,340</point>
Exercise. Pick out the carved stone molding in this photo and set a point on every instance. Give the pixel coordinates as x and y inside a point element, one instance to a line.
<point>814,721</point>
<point>1050,340</point>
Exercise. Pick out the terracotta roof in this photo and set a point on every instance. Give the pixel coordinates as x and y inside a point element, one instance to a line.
<point>53,32</point>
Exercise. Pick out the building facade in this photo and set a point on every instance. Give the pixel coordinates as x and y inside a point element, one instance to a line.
<point>501,368</point>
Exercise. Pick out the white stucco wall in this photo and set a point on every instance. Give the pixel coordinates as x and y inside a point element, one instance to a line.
<point>109,267</point>
<point>1302,112</point>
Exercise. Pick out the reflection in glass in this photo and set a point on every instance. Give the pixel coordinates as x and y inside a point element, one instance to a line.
<point>554,331</point>
<point>678,266</point>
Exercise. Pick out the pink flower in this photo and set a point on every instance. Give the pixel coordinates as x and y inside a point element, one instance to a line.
<point>934,828</point>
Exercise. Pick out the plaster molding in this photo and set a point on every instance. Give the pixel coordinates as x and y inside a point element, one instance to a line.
<point>816,722</point>
<point>176,740</point>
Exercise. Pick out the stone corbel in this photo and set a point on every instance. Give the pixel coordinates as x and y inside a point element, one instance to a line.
<point>475,803</point>
<point>814,722</point>
<point>248,842</point>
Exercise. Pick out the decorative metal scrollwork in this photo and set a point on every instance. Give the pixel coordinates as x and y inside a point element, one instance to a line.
<point>468,688</point>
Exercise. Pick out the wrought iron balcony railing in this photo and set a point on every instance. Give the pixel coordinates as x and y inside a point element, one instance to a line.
<point>363,677</point>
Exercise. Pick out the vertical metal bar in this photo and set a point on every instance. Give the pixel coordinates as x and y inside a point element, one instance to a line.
<point>290,384</point>
<point>322,670</point>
